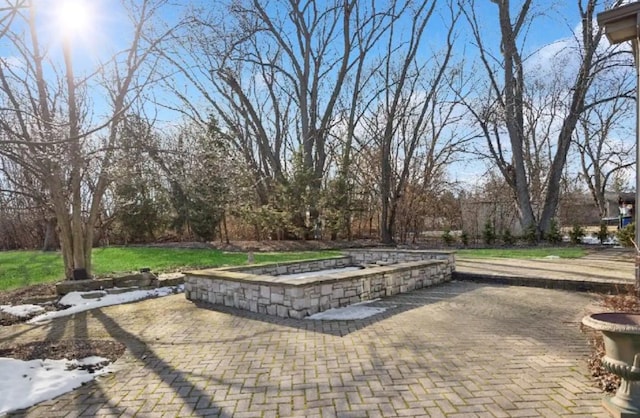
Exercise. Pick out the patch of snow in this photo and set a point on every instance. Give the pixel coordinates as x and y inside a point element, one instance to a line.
<point>351,312</point>
<point>79,304</point>
<point>90,361</point>
<point>590,240</point>
<point>26,383</point>
<point>22,311</point>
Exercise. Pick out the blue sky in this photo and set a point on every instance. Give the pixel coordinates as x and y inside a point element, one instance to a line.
<point>555,21</point>
<point>108,31</point>
<point>108,24</point>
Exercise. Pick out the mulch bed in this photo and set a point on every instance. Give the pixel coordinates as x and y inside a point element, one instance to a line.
<point>606,381</point>
<point>26,295</point>
<point>66,349</point>
<point>54,350</point>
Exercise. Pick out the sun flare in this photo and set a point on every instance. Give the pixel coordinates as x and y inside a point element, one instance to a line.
<point>74,17</point>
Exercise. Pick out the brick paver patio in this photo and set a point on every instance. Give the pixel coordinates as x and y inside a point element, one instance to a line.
<point>456,350</point>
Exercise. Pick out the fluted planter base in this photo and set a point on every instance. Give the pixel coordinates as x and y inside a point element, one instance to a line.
<point>625,402</point>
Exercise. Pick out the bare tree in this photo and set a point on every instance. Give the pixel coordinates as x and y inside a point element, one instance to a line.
<point>25,214</point>
<point>403,123</point>
<point>503,117</point>
<point>360,92</point>
<point>45,118</point>
<point>602,138</point>
<point>278,78</point>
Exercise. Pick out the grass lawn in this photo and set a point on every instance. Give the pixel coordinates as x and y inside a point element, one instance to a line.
<point>23,268</point>
<point>536,252</point>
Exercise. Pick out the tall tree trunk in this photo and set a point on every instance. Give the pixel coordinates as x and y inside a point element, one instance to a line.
<point>513,101</point>
<point>584,79</point>
<point>386,225</point>
<point>510,103</point>
<point>49,243</point>
<point>77,163</point>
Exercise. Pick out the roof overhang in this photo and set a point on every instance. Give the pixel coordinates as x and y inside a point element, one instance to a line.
<point>621,23</point>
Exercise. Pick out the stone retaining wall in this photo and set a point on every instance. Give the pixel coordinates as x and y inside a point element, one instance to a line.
<point>260,289</point>
<point>373,255</point>
<point>292,267</point>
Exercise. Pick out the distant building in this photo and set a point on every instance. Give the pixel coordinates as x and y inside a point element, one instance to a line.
<point>621,209</point>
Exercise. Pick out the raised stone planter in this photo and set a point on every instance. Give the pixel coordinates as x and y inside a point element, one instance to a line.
<point>261,289</point>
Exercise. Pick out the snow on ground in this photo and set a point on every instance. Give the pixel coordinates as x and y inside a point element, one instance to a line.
<point>355,311</point>
<point>26,383</point>
<point>591,240</point>
<point>22,311</point>
<point>79,303</point>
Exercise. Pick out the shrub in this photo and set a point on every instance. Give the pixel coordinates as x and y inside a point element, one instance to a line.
<point>464,238</point>
<point>576,234</point>
<point>627,234</point>
<point>530,235</point>
<point>141,209</point>
<point>554,236</point>
<point>508,238</point>
<point>489,233</point>
<point>603,233</point>
<point>447,238</point>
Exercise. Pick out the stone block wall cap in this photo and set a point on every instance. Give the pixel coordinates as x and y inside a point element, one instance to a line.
<point>622,322</point>
<point>400,250</point>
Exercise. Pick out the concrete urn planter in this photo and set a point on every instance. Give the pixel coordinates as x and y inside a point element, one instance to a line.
<point>621,334</point>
